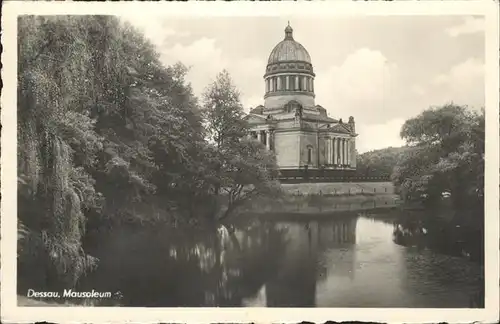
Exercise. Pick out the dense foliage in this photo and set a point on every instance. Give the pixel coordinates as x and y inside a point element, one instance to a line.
<point>446,155</point>
<point>379,163</point>
<point>108,135</point>
<point>243,167</point>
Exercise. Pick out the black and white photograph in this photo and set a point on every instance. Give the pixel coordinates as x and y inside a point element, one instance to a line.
<point>296,157</point>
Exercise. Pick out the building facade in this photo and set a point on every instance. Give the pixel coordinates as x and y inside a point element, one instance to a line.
<point>290,122</point>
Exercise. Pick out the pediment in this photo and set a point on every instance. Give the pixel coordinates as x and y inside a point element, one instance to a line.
<point>257,110</point>
<point>255,119</point>
<point>340,128</point>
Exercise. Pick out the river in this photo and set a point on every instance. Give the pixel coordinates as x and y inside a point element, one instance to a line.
<point>357,259</point>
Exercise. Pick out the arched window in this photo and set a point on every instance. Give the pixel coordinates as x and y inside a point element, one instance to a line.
<point>292,106</point>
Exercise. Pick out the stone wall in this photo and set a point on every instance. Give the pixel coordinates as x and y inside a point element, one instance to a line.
<point>308,140</point>
<point>354,188</point>
<point>286,145</point>
<point>353,153</point>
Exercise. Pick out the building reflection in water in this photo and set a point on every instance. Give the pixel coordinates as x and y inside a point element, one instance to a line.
<point>335,243</point>
<point>302,263</point>
<point>344,262</point>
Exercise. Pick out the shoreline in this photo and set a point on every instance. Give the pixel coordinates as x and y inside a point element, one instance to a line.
<point>324,205</point>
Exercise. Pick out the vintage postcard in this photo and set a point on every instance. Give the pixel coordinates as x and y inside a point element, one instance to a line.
<point>250,162</point>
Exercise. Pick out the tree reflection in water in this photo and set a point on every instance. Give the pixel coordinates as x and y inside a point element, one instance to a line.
<point>167,268</point>
<point>455,233</point>
<point>278,263</point>
<point>458,233</point>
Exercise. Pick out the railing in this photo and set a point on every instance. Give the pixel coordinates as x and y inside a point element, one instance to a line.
<point>300,176</point>
<point>319,179</point>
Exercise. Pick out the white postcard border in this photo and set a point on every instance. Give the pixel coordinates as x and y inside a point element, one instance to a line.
<point>11,313</point>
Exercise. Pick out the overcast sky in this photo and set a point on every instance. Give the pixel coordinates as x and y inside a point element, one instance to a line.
<point>381,70</point>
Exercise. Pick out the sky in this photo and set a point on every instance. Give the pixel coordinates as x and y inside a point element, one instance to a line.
<point>381,70</point>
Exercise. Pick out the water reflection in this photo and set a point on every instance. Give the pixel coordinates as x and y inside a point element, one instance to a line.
<point>342,261</point>
<point>448,234</point>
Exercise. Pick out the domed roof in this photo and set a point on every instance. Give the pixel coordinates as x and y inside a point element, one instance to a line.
<point>289,50</point>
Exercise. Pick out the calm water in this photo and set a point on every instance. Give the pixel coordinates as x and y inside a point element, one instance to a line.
<point>338,261</point>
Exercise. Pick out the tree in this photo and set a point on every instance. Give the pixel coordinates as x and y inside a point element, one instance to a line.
<point>242,168</point>
<point>249,171</point>
<point>447,148</point>
<point>379,163</point>
<point>223,112</point>
<point>57,144</point>
<point>98,117</point>
<point>108,134</point>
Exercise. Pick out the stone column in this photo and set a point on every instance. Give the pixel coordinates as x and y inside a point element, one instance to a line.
<point>296,83</point>
<point>279,83</point>
<point>268,140</point>
<point>335,149</point>
<point>339,151</point>
<point>332,150</point>
<point>332,146</point>
<point>353,153</point>
<point>325,144</point>
<point>326,141</point>
<point>342,151</point>
<point>351,143</point>
<point>259,136</point>
<point>348,156</point>
<point>329,150</point>
<point>345,151</point>
<point>287,82</point>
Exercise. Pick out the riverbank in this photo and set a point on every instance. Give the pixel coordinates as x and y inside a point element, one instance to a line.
<point>292,203</point>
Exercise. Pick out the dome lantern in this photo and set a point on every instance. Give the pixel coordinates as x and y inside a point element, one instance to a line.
<point>289,32</point>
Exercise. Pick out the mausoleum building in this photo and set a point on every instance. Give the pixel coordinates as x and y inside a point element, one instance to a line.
<point>291,123</point>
